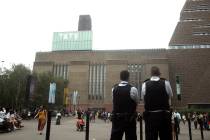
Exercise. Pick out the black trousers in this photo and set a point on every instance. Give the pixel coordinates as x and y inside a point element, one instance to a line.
<point>121,126</point>
<point>158,124</point>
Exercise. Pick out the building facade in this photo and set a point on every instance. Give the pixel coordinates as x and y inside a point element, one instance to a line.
<point>93,73</point>
<point>193,28</point>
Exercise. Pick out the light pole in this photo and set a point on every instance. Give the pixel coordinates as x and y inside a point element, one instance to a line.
<point>51,101</point>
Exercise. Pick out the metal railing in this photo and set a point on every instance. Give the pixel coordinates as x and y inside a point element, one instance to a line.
<point>140,119</point>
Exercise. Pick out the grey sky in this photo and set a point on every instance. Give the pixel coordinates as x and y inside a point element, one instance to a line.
<point>27,26</point>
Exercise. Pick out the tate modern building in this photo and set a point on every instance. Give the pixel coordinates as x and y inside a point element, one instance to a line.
<point>92,73</point>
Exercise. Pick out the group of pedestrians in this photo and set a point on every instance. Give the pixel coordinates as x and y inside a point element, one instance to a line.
<point>10,120</point>
<point>159,120</point>
<point>103,115</point>
<point>201,120</point>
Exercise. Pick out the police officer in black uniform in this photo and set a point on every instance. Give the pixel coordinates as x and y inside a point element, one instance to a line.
<point>125,99</point>
<point>157,99</point>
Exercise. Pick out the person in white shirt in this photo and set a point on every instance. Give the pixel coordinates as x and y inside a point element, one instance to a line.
<point>157,94</point>
<point>125,100</point>
<point>2,112</point>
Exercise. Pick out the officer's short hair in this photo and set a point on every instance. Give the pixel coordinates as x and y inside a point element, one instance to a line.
<point>124,75</point>
<point>155,71</point>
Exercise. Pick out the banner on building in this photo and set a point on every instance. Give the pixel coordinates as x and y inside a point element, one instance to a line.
<point>75,97</point>
<point>66,96</point>
<point>52,93</point>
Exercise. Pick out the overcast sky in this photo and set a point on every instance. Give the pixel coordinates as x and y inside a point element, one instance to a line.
<point>27,26</point>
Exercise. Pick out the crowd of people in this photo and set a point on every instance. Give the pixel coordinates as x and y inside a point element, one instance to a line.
<point>159,120</point>
<point>199,119</point>
<point>103,115</point>
<point>10,120</point>
<point>93,115</point>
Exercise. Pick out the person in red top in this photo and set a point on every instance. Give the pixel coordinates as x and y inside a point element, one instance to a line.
<point>80,123</point>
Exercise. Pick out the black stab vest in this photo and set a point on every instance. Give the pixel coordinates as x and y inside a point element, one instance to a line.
<point>156,97</point>
<point>122,102</point>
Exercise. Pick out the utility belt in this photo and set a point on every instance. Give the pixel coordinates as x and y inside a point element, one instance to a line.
<point>124,116</point>
<point>147,113</point>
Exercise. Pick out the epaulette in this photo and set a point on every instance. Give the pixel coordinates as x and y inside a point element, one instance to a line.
<point>130,85</point>
<point>162,79</point>
<point>147,80</point>
<point>115,85</point>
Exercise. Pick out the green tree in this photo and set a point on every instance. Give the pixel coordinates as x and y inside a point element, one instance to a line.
<point>13,86</point>
<point>42,85</point>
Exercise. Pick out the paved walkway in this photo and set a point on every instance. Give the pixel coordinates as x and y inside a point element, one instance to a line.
<point>67,131</point>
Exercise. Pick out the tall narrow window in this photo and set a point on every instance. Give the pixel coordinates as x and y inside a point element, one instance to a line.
<point>104,81</point>
<point>135,71</point>
<point>96,81</point>
<point>60,70</point>
<point>178,87</point>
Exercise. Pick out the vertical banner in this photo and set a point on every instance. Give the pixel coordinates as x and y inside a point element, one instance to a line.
<point>65,96</point>
<point>75,94</point>
<point>178,87</point>
<point>52,93</point>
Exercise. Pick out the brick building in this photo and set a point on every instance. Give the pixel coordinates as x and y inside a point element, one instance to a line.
<point>193,28</point>
<point>93,73</point>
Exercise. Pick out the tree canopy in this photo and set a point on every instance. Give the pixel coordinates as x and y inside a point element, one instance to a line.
<point>14,93</point>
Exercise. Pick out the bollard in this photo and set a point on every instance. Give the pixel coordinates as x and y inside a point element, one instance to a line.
<point>201,128</point>
<point>87,125</point>
<point>176,128</point>
<point>189,126</point>
<point>141,128</point>
<point>48,125</point>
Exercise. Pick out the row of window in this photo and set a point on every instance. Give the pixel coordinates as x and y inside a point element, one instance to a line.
<point>97,78</point>
<point>201,26</point>
<point>196,10</point>
<point>189,47</point>
<point>201,33</point>
<point>72,45</point>
<point>191,19</point>
<point>134,67</point>
<point>60,70</point>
